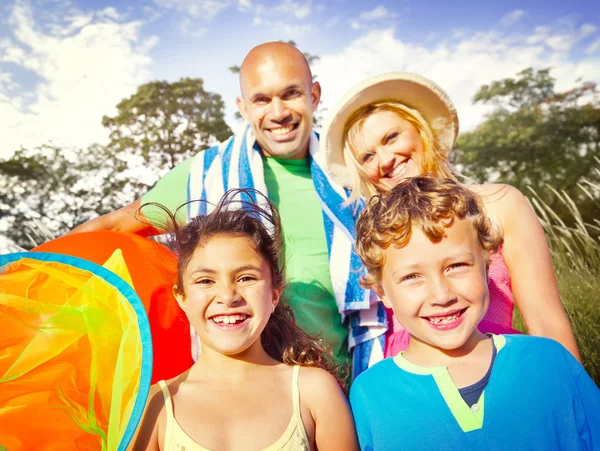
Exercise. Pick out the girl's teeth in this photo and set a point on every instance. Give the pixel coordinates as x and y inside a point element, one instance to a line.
<point>228,319</point>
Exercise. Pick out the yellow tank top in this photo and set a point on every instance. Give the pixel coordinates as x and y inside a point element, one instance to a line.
<point>293,439</point>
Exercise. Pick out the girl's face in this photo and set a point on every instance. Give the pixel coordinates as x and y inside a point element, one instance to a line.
<point>228,296</point>
<point>393,150</point>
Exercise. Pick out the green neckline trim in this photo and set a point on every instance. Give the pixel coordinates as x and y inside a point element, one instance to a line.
<point>303,162</point>
<point>465,417</point>
<point>400,360</point>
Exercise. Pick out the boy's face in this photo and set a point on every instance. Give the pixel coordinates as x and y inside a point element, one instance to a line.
<point>438,291</point>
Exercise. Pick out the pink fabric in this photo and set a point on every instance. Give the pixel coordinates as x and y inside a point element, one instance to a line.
<point>497,320</point>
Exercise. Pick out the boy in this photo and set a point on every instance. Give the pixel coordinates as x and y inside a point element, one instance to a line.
<point>426,246</point>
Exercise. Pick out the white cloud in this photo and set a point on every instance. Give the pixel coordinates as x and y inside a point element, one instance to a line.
<point>460,66</point>
<point>111,13</point>
<point>375,15</point>
<point>151,14</point>
<point>192,29</point>
<point>379,12</point>
<point>332,22</point>
<point>512,17</point>
<point>298,10</point>
<point>81,77</point>
<point>205,9</point>
<point>593,47</point>
<point>291,31</point>
<point>244,5</point>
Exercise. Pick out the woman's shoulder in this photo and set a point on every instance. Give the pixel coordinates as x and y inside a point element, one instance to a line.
<point>500,200</point>
<point>496,192</point>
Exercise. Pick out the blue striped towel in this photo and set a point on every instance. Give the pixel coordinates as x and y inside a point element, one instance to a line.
<point>237,163</point>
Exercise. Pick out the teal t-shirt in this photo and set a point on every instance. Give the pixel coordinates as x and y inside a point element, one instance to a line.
<point>291,189</point>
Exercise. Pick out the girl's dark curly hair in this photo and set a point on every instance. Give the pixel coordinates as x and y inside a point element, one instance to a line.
<point>248,213</point>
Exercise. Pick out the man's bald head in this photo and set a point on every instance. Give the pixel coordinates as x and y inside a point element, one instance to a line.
<point>273,56</point>
<point>278,99</point>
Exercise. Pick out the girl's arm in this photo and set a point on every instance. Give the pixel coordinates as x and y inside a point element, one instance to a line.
<point>334,426</point>
<point>146,437</point>
<point>534,285</point>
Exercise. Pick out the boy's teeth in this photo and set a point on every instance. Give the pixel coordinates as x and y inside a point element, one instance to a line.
<point>443,319</point>
<point>281,130</point>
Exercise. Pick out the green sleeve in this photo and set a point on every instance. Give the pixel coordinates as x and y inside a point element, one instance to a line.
<point>170,192</point>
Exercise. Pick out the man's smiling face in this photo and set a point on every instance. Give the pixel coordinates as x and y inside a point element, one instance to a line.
<point>278,100</point>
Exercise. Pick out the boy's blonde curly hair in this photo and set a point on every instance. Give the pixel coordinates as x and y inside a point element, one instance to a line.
<point>429,203</point>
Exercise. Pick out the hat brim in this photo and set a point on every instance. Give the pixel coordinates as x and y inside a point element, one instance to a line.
<point>412,90</point>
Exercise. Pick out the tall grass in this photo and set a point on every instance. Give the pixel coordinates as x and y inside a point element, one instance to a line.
<point>576,258</point>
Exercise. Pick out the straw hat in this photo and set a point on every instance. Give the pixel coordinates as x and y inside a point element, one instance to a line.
<point>428,100</point>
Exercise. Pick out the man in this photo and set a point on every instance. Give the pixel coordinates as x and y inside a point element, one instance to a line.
<point>280,157</point>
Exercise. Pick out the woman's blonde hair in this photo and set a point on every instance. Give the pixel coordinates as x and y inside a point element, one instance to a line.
<point>435,156</point>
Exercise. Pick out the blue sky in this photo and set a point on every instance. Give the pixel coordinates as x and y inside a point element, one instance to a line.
<point>64,64</point>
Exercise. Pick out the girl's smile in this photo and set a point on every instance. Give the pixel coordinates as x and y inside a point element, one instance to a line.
<point>228,297</point>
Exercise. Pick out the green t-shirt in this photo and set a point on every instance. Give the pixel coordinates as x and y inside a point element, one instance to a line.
<point>309,293</point>
<point>291,189</point>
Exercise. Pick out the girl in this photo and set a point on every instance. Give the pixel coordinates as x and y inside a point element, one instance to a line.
<point>400,125</point>
<point>259,382</point>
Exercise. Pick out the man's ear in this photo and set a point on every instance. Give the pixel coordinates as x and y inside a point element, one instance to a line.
<point>381,294</point>
<point>180,298</point>
<point>241,106</point>
<point>315,92</point>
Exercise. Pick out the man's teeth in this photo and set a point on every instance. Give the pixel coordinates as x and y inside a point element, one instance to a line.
<point>443,319</point>
<point>229,319</point>
<point>282,130</point>
<point>398,169</point>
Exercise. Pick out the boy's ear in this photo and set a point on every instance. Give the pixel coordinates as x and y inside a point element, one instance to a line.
<point>178,297</point>
<point>381,294</point>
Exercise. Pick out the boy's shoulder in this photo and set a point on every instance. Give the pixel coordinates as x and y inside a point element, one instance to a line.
<point>528,343</point>
<point>374,374</point>
<point>540,354</point>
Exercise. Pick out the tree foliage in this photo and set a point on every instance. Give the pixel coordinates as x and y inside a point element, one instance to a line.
<point>536,137</point>
<point>48,190</point>
<point>165,123</point>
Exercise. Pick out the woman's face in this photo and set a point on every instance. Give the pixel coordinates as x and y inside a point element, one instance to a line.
<point>393,150</point>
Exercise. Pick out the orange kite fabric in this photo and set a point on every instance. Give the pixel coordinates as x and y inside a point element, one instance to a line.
<point>153,269</point>
<point>75,353</point>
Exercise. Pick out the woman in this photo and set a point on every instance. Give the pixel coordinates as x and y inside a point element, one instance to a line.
<point>400,125</point>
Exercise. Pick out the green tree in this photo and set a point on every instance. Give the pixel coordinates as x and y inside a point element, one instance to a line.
<point>165,123</point>
<point>46,191</point>
<point>537,137</point>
